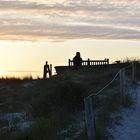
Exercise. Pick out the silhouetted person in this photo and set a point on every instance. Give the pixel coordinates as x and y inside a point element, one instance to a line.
<point>77,61</point>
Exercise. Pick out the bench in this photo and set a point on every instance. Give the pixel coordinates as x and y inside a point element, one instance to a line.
<point>91,62</point>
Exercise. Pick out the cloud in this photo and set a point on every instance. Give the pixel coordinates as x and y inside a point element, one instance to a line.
<point>69,19</point>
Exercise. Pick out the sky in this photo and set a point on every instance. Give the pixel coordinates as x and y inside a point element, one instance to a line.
<point>32,32</point>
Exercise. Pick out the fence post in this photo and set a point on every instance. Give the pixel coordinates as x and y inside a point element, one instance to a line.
<point>122,83</point>
<point>69,63</point>
<point>50,70</point>
<point>89,118</point>
<point>107,61</point>
<point>133,71</point>
<point>47,69</point>
<point>88,62</point>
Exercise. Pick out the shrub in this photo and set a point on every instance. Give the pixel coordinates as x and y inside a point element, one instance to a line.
<point>69,95</point>
<point>66,95</point>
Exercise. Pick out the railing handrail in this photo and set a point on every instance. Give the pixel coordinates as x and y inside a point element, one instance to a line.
<point>89,62</point>
<point>97,93</point>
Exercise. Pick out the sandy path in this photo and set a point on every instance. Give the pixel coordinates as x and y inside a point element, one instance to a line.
<point>130,125</point>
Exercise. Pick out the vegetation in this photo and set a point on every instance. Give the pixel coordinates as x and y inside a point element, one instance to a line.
<point>55,106</point>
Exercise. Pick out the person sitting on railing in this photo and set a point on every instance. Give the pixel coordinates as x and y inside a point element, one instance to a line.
<point>77,61</point>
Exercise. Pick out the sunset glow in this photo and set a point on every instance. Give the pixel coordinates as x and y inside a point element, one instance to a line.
<point>2,71</point>
<point>32,32</point>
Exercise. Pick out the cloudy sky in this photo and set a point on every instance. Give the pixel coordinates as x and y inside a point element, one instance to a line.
<point>69,19</point>
<point>55,29</point>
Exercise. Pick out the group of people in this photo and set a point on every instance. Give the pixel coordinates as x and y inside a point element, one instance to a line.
<point>77,61</point>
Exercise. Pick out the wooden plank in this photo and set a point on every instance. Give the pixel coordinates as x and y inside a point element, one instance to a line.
<point>89,118</point>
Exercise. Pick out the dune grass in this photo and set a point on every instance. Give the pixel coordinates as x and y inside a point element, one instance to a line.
<point>53,103</point>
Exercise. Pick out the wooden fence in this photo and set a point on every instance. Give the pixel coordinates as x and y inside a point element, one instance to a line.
<point>47,70</point>
<point>91,62</point>
<point>88,101</point>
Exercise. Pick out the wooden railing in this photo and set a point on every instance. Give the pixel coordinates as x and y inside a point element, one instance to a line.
<point>91,62</point>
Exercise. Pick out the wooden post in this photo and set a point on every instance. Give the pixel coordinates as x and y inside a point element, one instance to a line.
<point>47,69</point>
<point>122,83</point>
<point>69,63</point>
<point>89,118</point>
<point>88,62</point>
<point>50,70</point>
<point>133,72</point>
<point>107,61</point>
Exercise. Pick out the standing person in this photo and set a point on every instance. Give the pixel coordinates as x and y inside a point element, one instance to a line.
<point>77,61</point>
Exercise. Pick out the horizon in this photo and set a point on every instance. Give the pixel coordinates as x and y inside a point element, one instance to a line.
<point>33,32</point>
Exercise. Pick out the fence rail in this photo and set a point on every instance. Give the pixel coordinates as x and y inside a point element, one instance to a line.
<point>88,101</point>
<point>91,62</point>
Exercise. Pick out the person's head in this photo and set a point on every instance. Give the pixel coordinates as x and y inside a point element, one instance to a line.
<point>78,54</point>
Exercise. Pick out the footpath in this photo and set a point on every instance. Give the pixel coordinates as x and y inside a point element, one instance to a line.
<point>129,129</point>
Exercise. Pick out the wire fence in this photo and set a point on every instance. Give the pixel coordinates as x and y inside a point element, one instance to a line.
<point>118,90</point>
